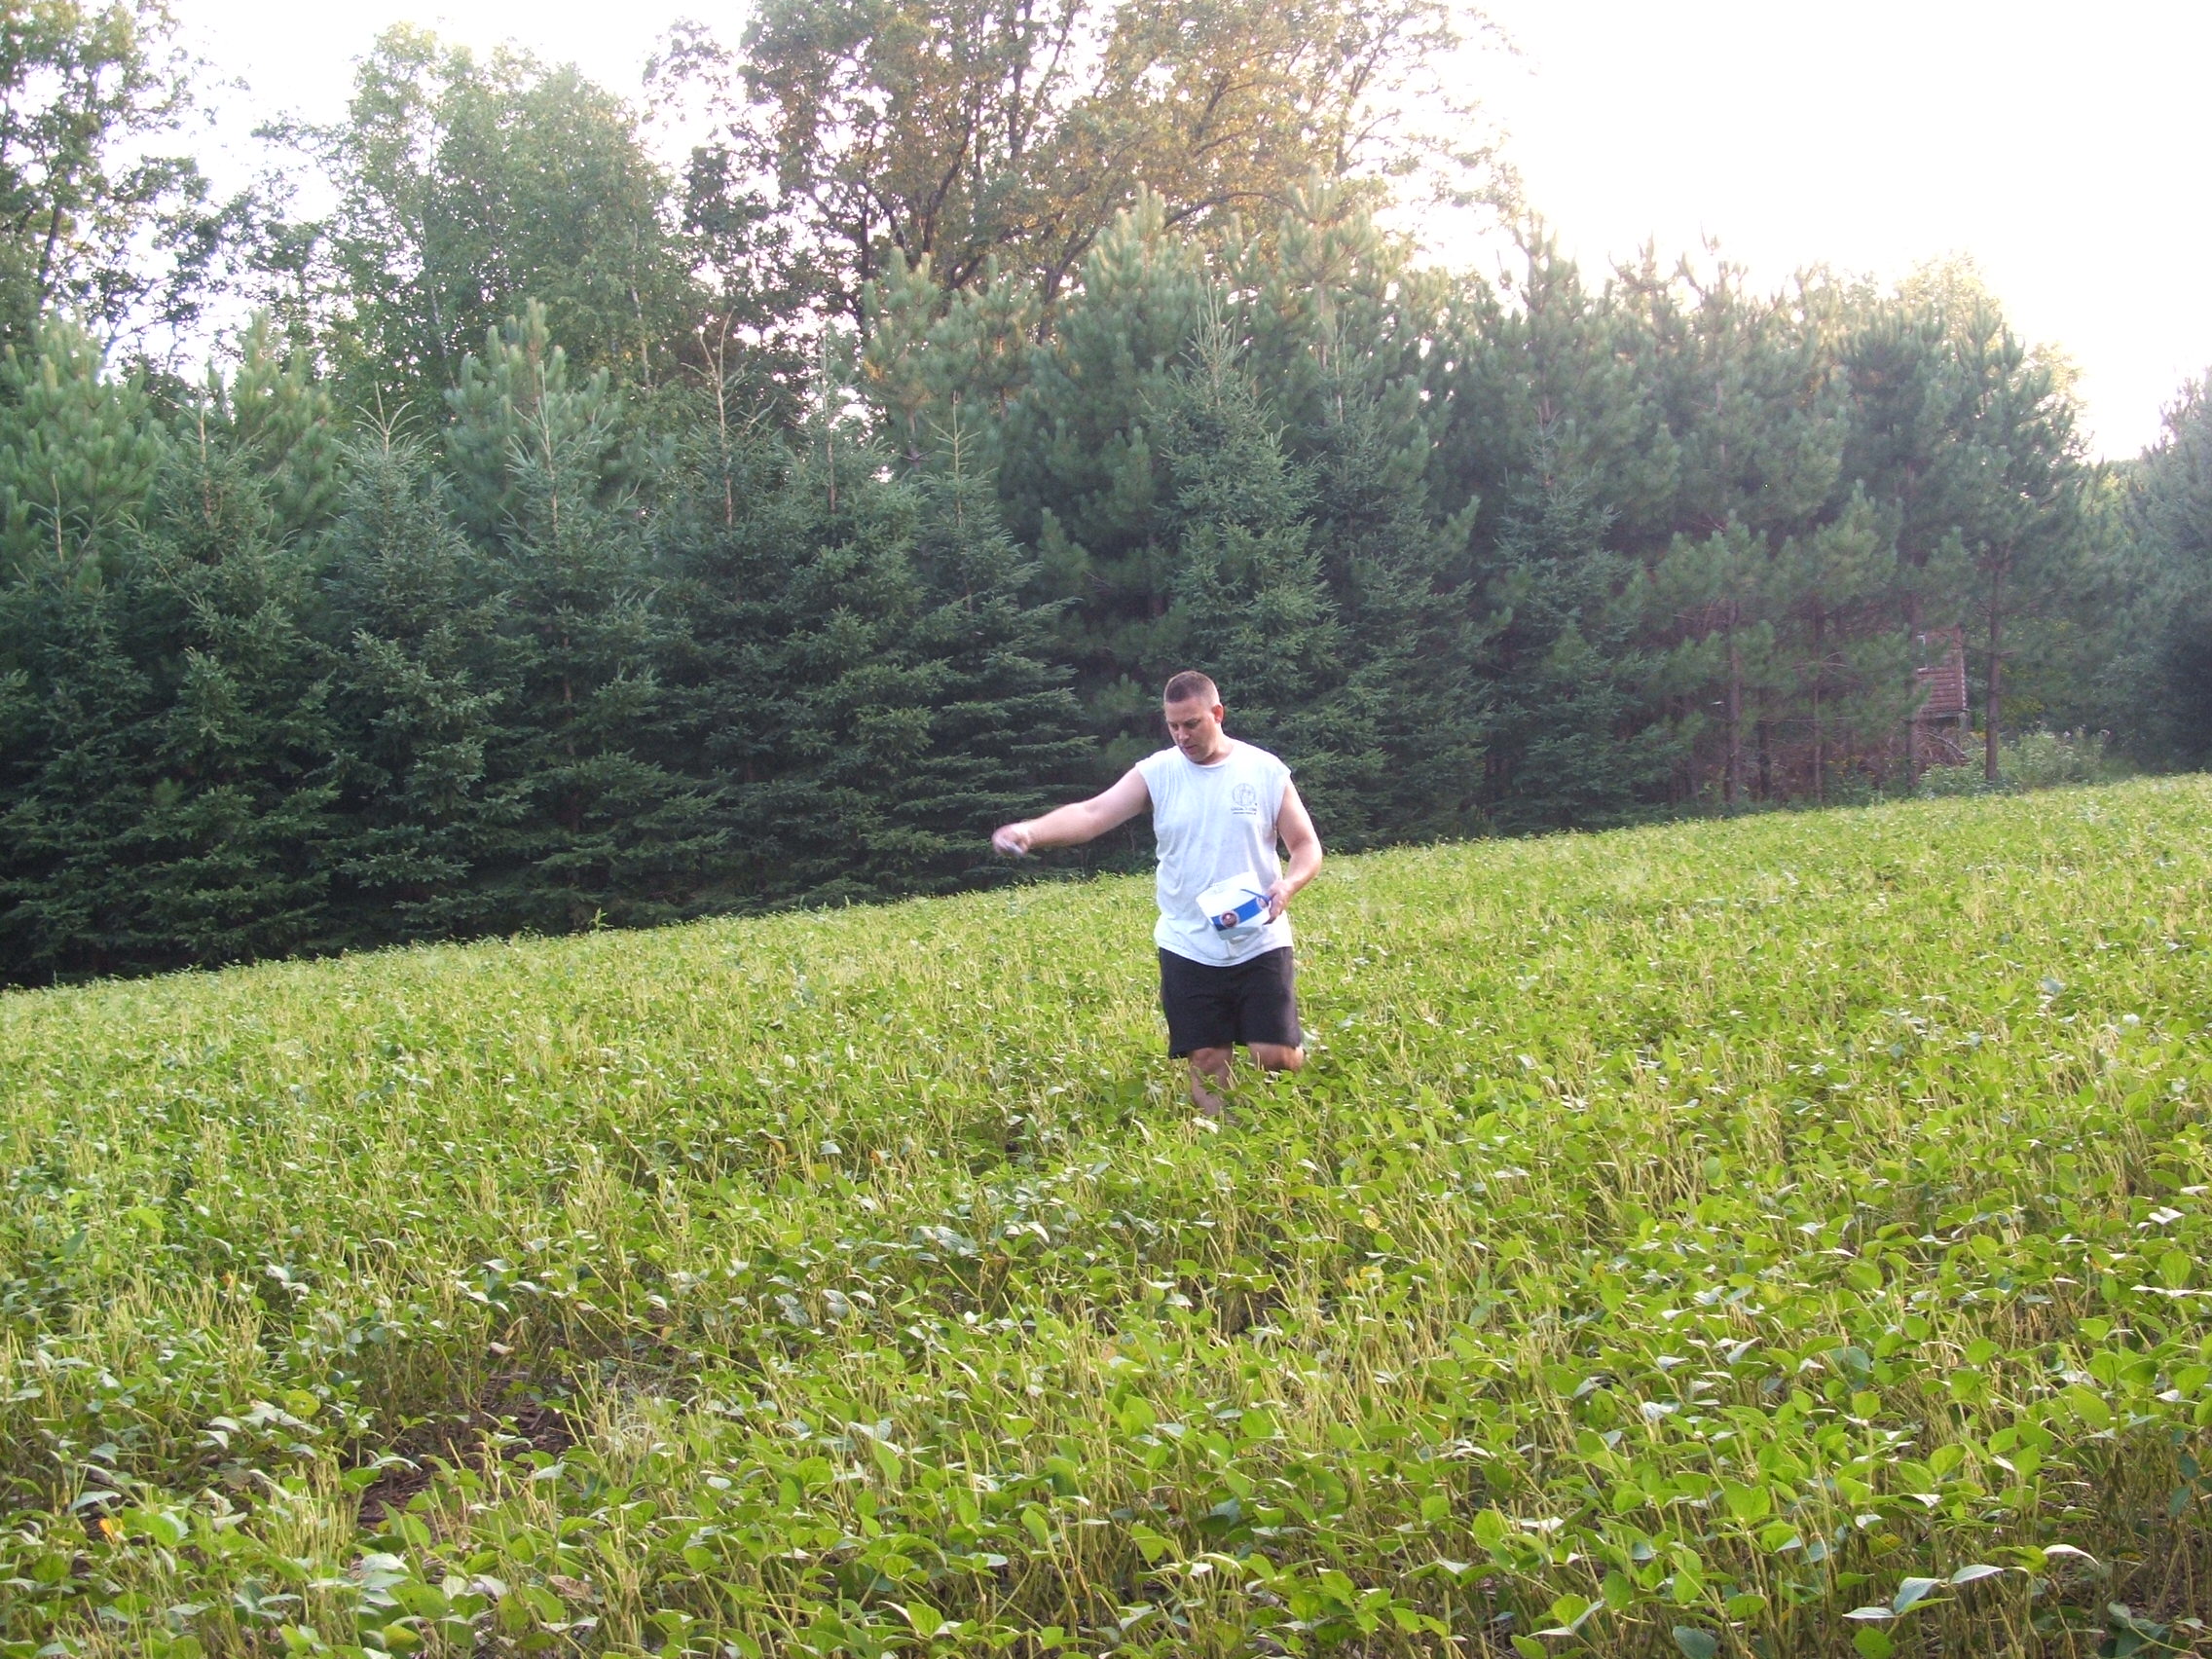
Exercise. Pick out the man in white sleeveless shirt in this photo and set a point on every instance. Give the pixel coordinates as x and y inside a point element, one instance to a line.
<point>1219,807</point>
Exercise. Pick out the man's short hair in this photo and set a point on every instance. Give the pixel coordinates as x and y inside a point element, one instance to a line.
<point>1189,684</point>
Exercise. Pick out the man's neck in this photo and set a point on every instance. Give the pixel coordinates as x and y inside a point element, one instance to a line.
<point>1220,754</point>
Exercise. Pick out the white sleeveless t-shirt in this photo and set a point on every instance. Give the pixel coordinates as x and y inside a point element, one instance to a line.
<point>1214,824</point>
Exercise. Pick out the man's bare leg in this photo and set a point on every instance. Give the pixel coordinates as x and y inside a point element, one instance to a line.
<point>1209,1066</point>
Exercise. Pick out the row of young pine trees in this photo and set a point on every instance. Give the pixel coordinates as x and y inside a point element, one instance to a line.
<point>278,675</point>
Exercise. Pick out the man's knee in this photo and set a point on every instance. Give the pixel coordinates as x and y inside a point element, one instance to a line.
<point>1278,1057</point>
<point>1213,1061</point>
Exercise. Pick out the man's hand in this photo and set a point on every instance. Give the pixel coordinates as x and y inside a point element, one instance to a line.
<point>1278,896</point>
<point>1072,826</point>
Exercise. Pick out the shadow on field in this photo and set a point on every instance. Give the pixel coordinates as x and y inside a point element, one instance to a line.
<point>511,1419</point>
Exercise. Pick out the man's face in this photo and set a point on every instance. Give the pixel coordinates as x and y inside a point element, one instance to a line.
<point>1196,726</point>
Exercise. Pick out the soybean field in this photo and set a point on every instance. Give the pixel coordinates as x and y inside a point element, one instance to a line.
<point>1780,1237</point>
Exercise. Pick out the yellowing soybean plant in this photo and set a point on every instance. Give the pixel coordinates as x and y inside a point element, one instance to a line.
<point>1779,1238</point>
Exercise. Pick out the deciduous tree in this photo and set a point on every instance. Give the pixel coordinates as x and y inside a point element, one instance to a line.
<point>94,220</point>
<point>470,187</point>
<point>966,130</point>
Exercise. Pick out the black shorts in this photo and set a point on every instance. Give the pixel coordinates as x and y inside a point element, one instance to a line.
<point>1255,1001</point>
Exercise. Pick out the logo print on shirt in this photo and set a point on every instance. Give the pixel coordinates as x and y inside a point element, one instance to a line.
<point>1244,801</point>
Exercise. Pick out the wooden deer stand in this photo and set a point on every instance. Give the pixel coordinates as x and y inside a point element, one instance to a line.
<point>1943,724</point>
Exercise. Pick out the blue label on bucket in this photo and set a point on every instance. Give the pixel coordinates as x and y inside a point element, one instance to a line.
<point>1241,914</point>
<point>1238,903</point>
<point>1238,915</point>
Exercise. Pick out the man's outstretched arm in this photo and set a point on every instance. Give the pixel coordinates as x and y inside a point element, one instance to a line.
<point>1082,821</point>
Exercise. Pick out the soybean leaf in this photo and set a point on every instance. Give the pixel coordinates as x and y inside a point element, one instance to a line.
<point>1913,1591</point>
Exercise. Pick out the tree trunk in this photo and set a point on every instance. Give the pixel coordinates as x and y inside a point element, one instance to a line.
<point>1819,740</point>
<point>1733,789</point>
<point>1911,724</point>
<point>1991,698</point>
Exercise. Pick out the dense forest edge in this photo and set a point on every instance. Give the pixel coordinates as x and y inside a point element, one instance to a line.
<point>568,542</point>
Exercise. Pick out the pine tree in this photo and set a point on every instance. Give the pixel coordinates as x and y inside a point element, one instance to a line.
<point>1003,723</point>
<point>728,541</point>
<point>170,775</point>
<point>612,830</point>
<point>427,700</point>
<point>1748,388</point>
<point>1570,745</point>
<point>1710,603</point>
<point>1903,413</point>
<point>1846,680</point>
<point>78,449</point>
<point>2019,487</point>
<point>514,407</point>
<point>783,554</point>
<point>1329,321</point>
<point>240,838</point>
<point>1745,384</point>
<point>2158,690</point>
<point>281,421</point>
<point>1082,477</point>
<point>74,781</point>
<point>1251,605</point>
<point>1965,437</point>
<point>934,358</point>
<point>1330,310</point>
<point>1549,360</point>
<point>1414,722</point>
<point>867,684</point>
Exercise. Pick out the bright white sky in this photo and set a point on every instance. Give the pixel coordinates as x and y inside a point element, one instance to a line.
<point>2061,146</point>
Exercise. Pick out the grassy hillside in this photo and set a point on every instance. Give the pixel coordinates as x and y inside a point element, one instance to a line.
<point>1783,1236</point>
